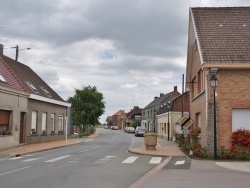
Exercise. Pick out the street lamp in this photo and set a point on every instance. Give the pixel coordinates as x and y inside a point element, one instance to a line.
<point>168,108</point>
<point>154,121</point>
<point>17,50</point>
<point>213,82</point>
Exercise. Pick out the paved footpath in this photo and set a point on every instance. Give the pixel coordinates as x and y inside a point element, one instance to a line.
<point>31,148</point>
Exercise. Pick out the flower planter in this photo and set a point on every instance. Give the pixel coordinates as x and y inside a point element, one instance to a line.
<point>150,141</point>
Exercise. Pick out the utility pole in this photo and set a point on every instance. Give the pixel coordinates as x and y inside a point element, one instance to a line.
<point>17,51</point>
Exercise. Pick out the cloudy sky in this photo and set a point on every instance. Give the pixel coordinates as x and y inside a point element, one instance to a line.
<point>131,50</point>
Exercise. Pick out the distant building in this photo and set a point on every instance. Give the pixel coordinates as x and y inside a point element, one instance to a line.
<point>118,118</point>
<point>133,115</point>
<point>149,113</point>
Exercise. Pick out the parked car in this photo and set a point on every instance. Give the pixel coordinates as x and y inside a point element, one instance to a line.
<point>112,127</point>
<point>131,130</point>
<point>126,129</point>
<point>106,127</point>
<point>140,131</point>
<point>115,128</point>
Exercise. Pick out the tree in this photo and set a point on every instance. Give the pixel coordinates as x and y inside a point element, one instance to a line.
<point>87,106</point>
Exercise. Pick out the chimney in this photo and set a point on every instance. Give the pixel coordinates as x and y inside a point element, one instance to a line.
<point>175,88</point>
<point>161,94</point>
<point>1,49</point>
<point>156,98</point>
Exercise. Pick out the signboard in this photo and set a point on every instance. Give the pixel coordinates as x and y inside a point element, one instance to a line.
<point>185,122</point>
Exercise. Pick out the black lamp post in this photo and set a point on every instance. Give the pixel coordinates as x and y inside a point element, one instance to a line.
<point>17,50</point>
<point>168,108</point>
<point>213,83</point>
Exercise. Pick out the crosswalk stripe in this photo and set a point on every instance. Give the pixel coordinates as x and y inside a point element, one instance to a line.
<point>179,162</point>
<point>57,159</point>
<point>155,160</point>
<point>130,159</point>
<point>32,159</point>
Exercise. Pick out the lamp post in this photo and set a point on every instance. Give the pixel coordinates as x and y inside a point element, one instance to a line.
<point>17,50</point>
<point>154,121</point>
<point>168,108</point>
<point>213,82</point>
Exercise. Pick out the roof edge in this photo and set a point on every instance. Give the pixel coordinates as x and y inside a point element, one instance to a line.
<point>44,99</point>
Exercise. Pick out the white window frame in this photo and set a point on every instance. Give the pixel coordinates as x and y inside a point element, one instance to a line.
<point>60,123</point>
<point>2,79</point>
<point>240,119</point>
<point>34,121</point>
<point>52,122</point>
<point>44,121</point>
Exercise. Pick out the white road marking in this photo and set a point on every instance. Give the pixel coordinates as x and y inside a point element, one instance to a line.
<point>32,159</point>
<point>15,170</point>
<point>105,159</point>
<point>82,151</point>
<point>155,160</point>
<point>88,140</point>
<point>14,158</point>
<point>130,159</point>
<point>97,146</point>
<point>57,159</point>
<point>28,155</point>
<point>179,162</point>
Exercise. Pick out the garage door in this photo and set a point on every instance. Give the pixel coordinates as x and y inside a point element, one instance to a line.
<point>240,119</point>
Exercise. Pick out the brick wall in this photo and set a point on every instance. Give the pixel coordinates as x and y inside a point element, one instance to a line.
<point>233,91</point>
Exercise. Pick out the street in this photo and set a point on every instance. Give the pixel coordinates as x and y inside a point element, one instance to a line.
<point>104,161</point>
<point>99,162</point>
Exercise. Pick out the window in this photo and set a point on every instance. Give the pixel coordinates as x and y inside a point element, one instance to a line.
<point>32,87</point>
<point>52,122</point>
<point>34,122</point>
<point>198,119</point>
<point>45,91</point>
<point>60,123</point>
<point>4,122</point>
<point>44,121</point>
<point>240,119</point>
<point>194,89</point>
<point>2,78</point>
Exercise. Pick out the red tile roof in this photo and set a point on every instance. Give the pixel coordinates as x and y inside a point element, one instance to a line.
<point>18,74</point>
<point>11,81</point>
<point>223,33</point>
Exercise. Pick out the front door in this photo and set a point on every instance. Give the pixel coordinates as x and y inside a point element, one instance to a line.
<point>21,136</point>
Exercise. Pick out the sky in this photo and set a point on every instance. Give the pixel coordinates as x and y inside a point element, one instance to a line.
<point>131,50</point>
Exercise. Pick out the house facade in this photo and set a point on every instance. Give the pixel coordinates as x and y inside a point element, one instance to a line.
<point>218,45</point>
<point>171,110</point>
<point>133,116</point>
<point>118,118</point>
<point>149,113</point>
<point>30,111</point>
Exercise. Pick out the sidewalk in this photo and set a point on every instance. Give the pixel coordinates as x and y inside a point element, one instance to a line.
<point>164,148</point>
<point>31,148</point>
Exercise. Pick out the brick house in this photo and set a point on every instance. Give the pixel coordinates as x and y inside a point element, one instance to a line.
<point>30,110</point>
<point>133,115</point>
<point>219,45</point>
<point>149,113</point>
<point>118,118</point>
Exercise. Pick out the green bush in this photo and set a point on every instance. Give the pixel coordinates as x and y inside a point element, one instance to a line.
<point>234,154</point>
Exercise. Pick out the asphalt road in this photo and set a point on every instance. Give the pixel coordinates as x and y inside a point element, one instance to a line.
<point>98,162</point>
